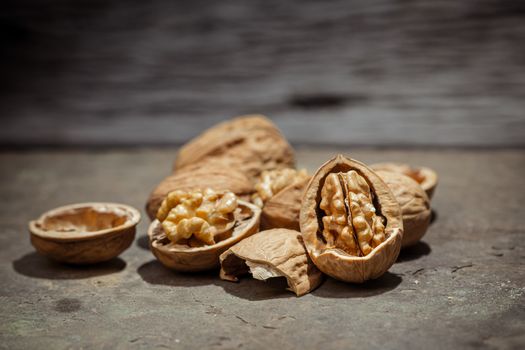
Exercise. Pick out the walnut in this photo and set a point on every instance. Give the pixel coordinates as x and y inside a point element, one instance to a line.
<point>84,233</point>
<point>204,215</point>
<point>282,210</point>
<point>424,176</point>
<point>414,202</point>
<point>272,182</point>
<point>249,143</point>
<point>214,176</point>
<point>270,254</point>
<point>194,227</point>
<point>279,193</point>
<point>350,221</point>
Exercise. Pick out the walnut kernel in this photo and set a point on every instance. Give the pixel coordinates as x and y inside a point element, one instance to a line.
<point>214,222</point>
<point>350,222</point>
<point>201,214</point>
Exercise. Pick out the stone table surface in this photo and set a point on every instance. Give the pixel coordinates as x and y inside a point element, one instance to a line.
<point>463,286</point>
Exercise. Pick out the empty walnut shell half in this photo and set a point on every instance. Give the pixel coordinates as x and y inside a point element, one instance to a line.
<point>350,221</point>
<point>269,254</point>
<point>249,143</point>
<point>84,233</point>
<point>214,177</point>
<point>183,257</point>
<point>414,203</point>
<point>424,176</point>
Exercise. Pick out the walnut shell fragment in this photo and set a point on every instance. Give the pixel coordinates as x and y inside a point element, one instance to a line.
<point>184,257</point>
<point>272,253</point>
<point>350,221</point>
<point>424,176</point>
<point>84,233</point>
<point>214,177</point>
<point>414,203</point>
<point>250,143</point>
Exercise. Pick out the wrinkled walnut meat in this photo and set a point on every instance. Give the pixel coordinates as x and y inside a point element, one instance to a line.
<point>194,227</point>
<point>270,254</point>
<point>272,182</point>
<point>350,220</point>
<point>198,217</point>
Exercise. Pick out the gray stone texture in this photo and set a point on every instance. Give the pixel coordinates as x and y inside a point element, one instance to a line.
<point>462,287</point>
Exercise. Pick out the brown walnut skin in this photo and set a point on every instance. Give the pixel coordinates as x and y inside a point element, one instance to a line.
<point>250,143</point>
<point>282,210</point>
<point>424,176</point>
<point>414,203</point>
<point>84,233</point>
<point>215,177</point>
<point>191,259</point>
<point>280,253</point>
<point>336,262</point>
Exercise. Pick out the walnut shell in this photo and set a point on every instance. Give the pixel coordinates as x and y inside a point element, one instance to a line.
<point>414,202</point>
<point>424,176</point>
<point>337,262</point>
<point>249,143</point>
<point>182,257</point>
<point>272,253</point>
<point>282,210</point>
<point>214,177</point>
<point>84,233</point>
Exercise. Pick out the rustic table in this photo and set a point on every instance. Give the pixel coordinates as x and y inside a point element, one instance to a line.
<point>463,286</point>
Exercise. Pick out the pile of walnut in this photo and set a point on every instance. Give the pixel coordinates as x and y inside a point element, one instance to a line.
<point>236,201</point>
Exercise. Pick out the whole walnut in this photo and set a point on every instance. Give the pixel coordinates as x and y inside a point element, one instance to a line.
<point>279,192</point>
<point>249,143</point>
<point>215,177</point>
<point>414,203</point>
<point>426,177</point>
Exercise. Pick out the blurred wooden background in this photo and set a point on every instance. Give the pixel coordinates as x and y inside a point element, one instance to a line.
<point>433,73</point>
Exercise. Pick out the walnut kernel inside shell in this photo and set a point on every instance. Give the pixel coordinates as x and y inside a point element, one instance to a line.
<point>350,221</point>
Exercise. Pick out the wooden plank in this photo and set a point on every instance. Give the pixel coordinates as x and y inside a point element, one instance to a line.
<point>367,73</point>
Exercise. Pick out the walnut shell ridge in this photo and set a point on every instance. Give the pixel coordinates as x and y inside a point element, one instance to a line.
<point>250,143</point>
<point>336,262</point>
